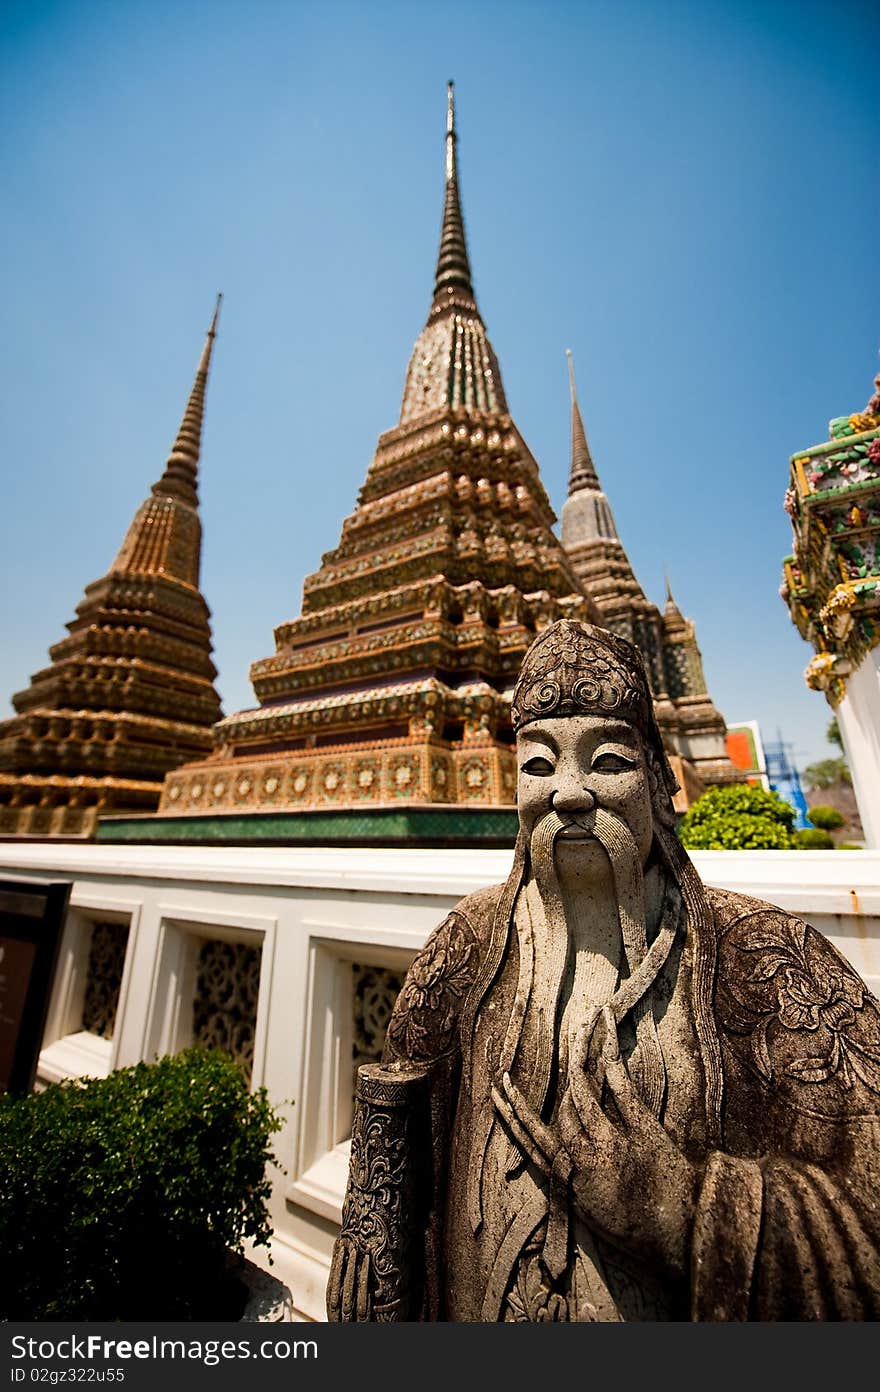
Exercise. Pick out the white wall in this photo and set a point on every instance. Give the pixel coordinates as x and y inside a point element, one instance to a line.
<point>858,717</point>
<point>314,911</point>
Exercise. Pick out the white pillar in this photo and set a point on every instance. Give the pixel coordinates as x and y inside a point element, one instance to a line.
<point>858,716</point>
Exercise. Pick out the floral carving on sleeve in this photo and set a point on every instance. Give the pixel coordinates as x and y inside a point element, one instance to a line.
<point>427,1009</point>
<point>784,979</point>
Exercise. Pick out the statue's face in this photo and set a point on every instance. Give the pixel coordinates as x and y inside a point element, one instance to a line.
<point>573,764</point>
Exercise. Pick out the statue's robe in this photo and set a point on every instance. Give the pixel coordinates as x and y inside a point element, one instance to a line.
<point>771,1047</point>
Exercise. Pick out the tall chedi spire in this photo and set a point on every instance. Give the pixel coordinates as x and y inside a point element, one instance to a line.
<point>181,475</point>
<point>692,728</point>
<point>589,535</point>
<point>165,534</point>
<point>453,362</point>
<point>453,277</point>
<point>393,686</point>
<point>591,515</point>
<point>129,693</point>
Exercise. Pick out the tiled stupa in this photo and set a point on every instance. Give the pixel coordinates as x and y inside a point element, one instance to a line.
<point>693,729</point>
<point>129,693</point>
<point>393,687</point>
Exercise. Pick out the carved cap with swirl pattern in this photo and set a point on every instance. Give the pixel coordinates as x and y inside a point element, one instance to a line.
<point>576,669</point>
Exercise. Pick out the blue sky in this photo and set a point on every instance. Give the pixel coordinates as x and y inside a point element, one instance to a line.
<point>685,194</point>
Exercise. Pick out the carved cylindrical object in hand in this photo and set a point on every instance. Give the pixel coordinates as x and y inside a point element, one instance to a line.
<point>376,1273</point>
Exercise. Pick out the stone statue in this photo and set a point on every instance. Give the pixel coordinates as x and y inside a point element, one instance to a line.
<point>610,1092</point>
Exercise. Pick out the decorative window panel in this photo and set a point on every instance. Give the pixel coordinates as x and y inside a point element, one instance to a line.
<point>104,978</point>
<point>225,1002</point>
<point>374,991</point>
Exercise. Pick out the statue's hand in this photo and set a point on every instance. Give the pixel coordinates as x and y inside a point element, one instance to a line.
<point>534,1139</point>
<point>348,1289</point>
<point>630,1180</point>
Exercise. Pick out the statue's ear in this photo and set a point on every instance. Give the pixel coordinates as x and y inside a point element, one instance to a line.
<point>659,776</point>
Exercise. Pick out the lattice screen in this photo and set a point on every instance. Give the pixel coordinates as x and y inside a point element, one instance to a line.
<point>225,1004</point>
<point>104,978</point>
<point>374,991</point>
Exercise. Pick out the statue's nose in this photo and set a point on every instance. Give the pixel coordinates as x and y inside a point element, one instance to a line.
<point>572,795</point>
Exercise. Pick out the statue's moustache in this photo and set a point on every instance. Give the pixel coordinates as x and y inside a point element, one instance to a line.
<point>607,827</point>
<point>544,834</point>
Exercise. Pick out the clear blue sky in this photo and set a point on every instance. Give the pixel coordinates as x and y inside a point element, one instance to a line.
<point>685,194</point>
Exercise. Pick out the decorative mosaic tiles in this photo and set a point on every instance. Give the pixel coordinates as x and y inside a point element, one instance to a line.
<point>404,771</point>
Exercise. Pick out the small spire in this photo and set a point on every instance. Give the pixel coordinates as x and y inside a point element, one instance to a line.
<point>453,267</point>
<point>181,471</point>
<point>583,471</point>
<point>671,612</point>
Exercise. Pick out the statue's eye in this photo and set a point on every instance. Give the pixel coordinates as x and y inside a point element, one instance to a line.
<point>537,766</point>
<point>612,763</point>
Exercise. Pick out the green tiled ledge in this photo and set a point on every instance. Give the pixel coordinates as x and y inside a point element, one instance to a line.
<point>380,826</point>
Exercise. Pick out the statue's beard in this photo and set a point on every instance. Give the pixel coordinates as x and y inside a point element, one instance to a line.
<point>618,843</point>
<point>597,969</point>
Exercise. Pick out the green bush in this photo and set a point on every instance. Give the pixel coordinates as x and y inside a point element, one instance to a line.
<point>743,817</point>
<point>122,1197</point>
<point>828,818</point>
<point>813,839</point>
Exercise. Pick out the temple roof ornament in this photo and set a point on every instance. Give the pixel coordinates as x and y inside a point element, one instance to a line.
<point>831,582</point>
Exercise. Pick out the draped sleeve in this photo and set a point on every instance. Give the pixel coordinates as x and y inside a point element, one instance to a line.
<point>787,1225</point>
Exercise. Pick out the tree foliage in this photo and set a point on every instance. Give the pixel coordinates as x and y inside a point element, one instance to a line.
<point>832,734</point>
<point>826,772</point>
<point>739,818</point>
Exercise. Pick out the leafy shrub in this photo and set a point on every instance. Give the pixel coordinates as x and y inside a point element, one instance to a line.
<point>828,818</point>
<point>813,839</point>
<point>739,818</point>
<point>121,1197</point>
<point>850,846</point>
